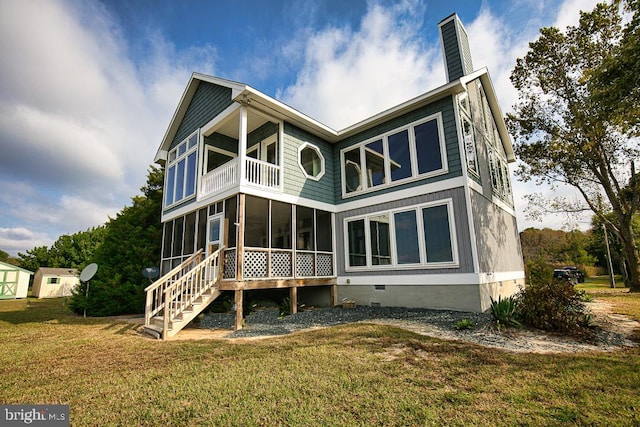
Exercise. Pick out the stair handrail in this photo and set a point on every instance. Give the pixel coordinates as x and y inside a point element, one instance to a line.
<point>155,297</point>
<point>191,286</point>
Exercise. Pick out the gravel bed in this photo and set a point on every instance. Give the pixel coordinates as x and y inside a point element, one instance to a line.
<point>436,323</point>
<point>267,322</point>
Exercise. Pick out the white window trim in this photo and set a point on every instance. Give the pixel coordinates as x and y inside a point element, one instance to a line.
<point>217,150</point>
<point>415,176</point>
<point>455,263</point>
<point>322,163</point>
<point>175,161</point>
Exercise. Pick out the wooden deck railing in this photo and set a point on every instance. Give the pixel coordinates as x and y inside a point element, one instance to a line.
<point>156,291</point>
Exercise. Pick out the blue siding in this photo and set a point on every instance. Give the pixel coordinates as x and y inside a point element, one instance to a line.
<point>445,106</point>
<point>295,182</point>
<point>222,141</point>
<point>208,101</point>
<point>261,133</point>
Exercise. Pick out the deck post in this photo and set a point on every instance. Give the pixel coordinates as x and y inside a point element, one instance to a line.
<point>293,299</point>
<point>334,294</point>
<point>238,302</point>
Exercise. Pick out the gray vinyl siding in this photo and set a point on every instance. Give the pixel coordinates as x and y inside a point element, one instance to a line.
<point>467,64</point>
<point>445,106</point>
<point>463,237</point>
<point>208,101</point>
<point>295,182</point>
<point>496,236</point>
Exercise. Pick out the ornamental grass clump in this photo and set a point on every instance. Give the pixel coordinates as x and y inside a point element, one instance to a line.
<point>504,311</point>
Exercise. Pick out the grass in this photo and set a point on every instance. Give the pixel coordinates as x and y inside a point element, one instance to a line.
<point>357,375</point>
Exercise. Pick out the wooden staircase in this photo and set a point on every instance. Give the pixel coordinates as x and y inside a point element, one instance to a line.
<point>179,296</point>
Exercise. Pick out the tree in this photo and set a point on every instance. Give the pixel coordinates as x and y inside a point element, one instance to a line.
<point>616,82</point>
<point>72,251</point>
<point>564,133</point>
<point>5,257</point>
<point>132,242</point>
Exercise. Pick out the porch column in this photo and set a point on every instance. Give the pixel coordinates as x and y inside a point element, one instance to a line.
<point>293,299</point>
<point>240,240</point>
<point>238,301</point>
<point>239,262</point>
<point>242,144</point>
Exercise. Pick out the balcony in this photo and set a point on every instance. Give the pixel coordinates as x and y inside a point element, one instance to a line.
<point>257,173</point>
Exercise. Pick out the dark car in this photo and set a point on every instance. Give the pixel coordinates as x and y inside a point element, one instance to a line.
<point>579,274</point>
<point>568,275</point>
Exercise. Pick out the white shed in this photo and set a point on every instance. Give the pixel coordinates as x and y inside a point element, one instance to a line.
<point>14,281</point>
<point>54,282</point>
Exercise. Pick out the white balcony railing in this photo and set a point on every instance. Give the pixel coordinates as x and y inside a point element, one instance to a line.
<point>263,174</point>
<point>220,179</point>
<point>258,173</point>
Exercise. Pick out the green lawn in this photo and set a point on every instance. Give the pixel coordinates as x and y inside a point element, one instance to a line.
<point>345,375</point>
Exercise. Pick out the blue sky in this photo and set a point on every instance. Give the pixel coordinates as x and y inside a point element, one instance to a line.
<point>88,87</point>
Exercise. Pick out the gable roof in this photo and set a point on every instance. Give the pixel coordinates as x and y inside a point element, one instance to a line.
<point>50,271</point>
<point>243,93</point>
<point>14,267</point>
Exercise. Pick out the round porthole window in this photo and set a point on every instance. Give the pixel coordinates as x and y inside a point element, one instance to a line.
<point>311,161</point>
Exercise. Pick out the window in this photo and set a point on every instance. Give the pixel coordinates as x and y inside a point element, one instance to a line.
<point>357,250</point>
<point>217,157</point>
<point>498,169</point>
<point>428,147</point>
<point>399,155</point>
<point>407,237</point>
<point>419,236</point>
<point>52,280</point>
<point>181,171</point>
<point>352,175</point>
<point>380,240</point>
<point>402,154</point>
<point>436,234</point>
<point>311,161</point>
<point>468,134</point>
<point>374,159</point>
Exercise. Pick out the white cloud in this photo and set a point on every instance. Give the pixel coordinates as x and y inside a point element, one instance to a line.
<point>14,240</point>
<point>349,75</point>
<point>80,118</point>
<point>569,12</point>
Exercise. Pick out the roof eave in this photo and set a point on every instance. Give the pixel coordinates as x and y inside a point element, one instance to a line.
<point>183,104</point>
<point>443,91</point>
<point>492,99</point>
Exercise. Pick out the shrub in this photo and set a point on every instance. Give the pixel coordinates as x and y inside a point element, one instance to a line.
<point>504,311</point>
<point>553,306</point>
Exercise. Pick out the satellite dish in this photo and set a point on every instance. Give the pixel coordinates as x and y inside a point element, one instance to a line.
<point>151,272</point>
<point>88,272</point>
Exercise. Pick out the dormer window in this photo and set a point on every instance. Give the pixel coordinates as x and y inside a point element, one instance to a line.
<point>311,161</point>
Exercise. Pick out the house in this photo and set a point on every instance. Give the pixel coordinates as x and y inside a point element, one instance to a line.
<point>411,207</point>
<point>14,281</point>
<point>54,282</point>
